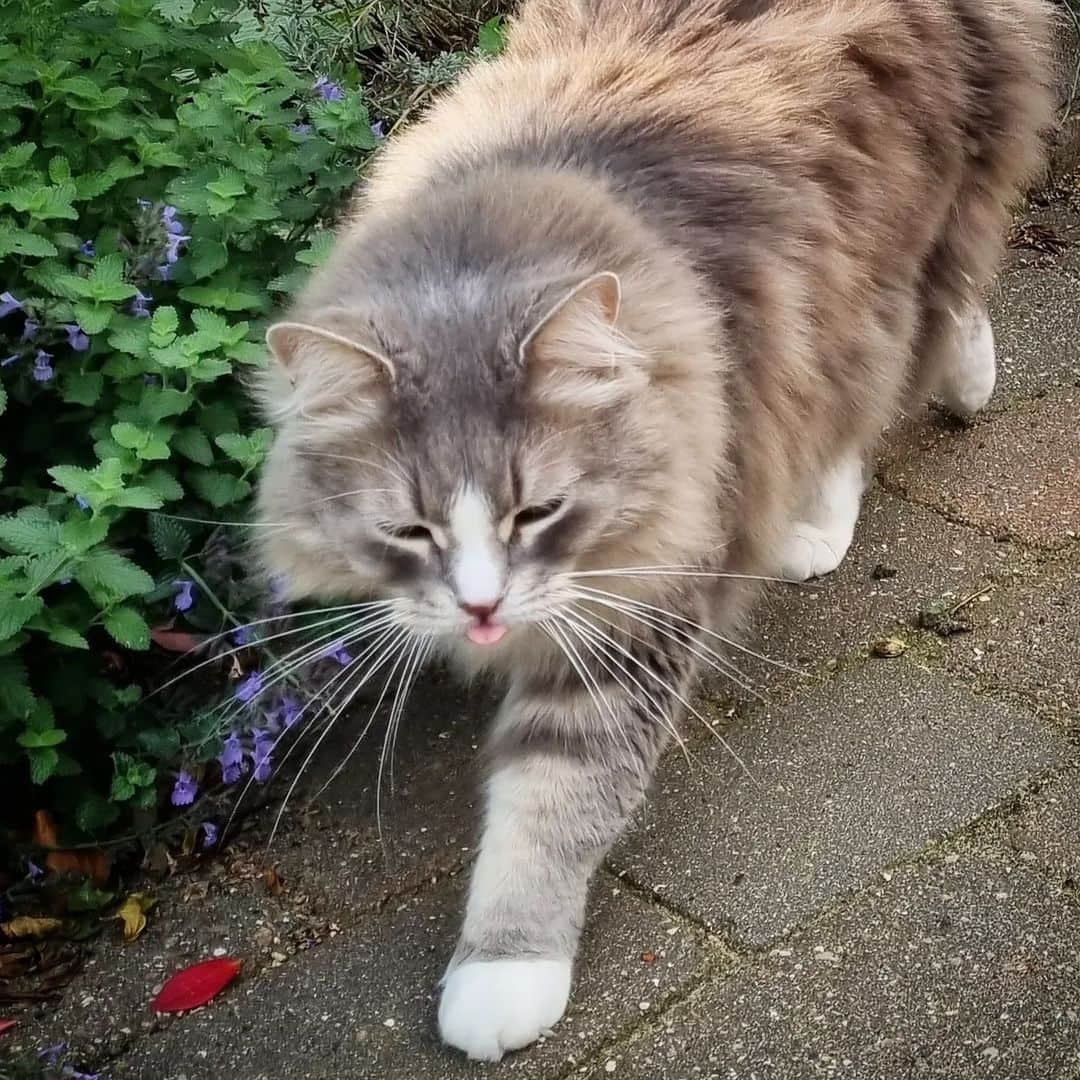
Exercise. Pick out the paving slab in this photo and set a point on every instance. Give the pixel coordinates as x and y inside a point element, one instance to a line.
<point>1035,310</point>
<point>362,1006</point>
<point>904,557</point>
<point>960,970</point>
<point>1048,827</point>
<point>850,776</point>
<point>1013,476</point>
<point>1026,639</point>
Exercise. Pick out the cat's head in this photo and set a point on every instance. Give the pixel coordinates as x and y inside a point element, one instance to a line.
<point>462,441</point>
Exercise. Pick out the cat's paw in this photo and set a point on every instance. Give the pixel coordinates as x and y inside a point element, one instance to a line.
<point>812,552</point>
<point>970,373</point>
<point>491,1006</point>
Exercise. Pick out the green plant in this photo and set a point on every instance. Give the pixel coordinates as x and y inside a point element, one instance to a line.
<point>157,176</point>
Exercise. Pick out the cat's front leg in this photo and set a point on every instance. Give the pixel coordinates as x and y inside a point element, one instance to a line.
<point>567,777</point>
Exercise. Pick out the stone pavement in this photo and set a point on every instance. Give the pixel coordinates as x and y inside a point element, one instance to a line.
<point>893,895</point>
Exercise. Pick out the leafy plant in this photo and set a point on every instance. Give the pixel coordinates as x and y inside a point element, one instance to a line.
<point>158,175</point>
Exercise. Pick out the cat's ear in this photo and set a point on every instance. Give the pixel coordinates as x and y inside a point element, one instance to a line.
<point>576,355</point>
<point>332,365</point>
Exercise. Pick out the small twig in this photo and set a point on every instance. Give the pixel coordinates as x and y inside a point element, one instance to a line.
<point>969,600</point>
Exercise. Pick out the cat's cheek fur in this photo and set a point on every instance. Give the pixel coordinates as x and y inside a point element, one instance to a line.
<point>489,1007</point>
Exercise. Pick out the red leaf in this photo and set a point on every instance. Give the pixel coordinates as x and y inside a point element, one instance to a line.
<point>5,1024</point>
<point>196,985</point>
<point>177,641</point>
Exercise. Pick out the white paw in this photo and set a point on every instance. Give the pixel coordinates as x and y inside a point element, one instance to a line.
<point>812,552</point>
<point>971,374</point>
<point>491,1006</point>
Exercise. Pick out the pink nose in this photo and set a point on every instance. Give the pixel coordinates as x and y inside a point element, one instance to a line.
<point>483,612</point>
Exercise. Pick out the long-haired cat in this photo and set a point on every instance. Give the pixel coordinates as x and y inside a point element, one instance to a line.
<point>610,335</point>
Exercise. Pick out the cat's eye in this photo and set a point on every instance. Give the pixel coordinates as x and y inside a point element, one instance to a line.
<point>410,532</point>
<point>532,515</point>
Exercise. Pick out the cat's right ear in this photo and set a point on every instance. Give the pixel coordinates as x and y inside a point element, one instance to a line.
<point>330,369</point>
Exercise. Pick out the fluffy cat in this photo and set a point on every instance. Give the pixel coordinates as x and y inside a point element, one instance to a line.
<point>611,334</point>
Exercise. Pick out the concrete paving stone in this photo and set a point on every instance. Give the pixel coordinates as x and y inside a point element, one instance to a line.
<point>1027,639</point>
<point>964,969</point>
<point>855,773</point>
<point>904,557</point>
<point>363,1005</point>
<point>1035,309</point>
<point>1012,476</point>
<point>1048,826</point>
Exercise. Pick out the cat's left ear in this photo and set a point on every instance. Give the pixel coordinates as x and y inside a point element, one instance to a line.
<point>332,365</point>
<point>576,355</point>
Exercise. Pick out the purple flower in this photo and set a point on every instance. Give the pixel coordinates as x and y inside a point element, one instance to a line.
<point>261,755</point>
<point>210,834</point>
<point>172,246</point>
<point>378,129</point>
<point>52,1054</point>
<point>43,369</point>
<point>164,271</point>
<point>81,503</point>
<point>231,759</point>
<point>13,358</point>
<point>328,90</point>
<point>290,711</point>
<point>138,305</point>
<point>30,330</point>
<point>8,304</point>
<point>251,687</point>
<point>242,635</point>
<point>185,594</point>
<point>169,219</point>
<point>35,871</point>
<point>184,790</point>
<point>87,249</point>
<point>338,652</point>
<point>77,340</point>
<point>301,129</point>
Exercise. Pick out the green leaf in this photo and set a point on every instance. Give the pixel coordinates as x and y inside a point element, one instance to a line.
<point>16,700</point>
<point>34,740</point>
<point>83,387</point>
<point>138,498</point>
<point>73,480</point>
<point>218,489</point>
<point>106,281</point>
<point>163,325</point>
<point>248,450</point>
<point>80,534</point>
<point>128,627</point>
<point>492,36</point>
<point>207,257</point>
<point>224,297</point>
<point>29,532</point>
<point>93,316</point>
<point>113,572</point>
<point>16,611</point>
<point>194,445</point>
<point>170,539</point>
<point>42,764</point>
<point>88,898</point>
<point>318,250</point>
<point>129,436</point>
<point>59,169</point>
<point>159,404</point>
<point>164,484</point>
<point>95,812</point>
<point>18,241</point>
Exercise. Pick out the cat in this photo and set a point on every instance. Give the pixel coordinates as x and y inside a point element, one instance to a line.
<point>610,335</point>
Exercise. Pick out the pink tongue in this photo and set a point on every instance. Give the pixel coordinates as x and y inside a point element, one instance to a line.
<point>486,633</point>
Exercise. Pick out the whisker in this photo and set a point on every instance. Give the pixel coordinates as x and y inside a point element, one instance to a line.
<point>599,640</point>
<point>592,687</point>
<point>680,571</point>
<point>704,629</point>
<point>689,708</point>
<point>348,610</point>
<point>329,726</point>
<point>401,693</point>
<point>696,648</point>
